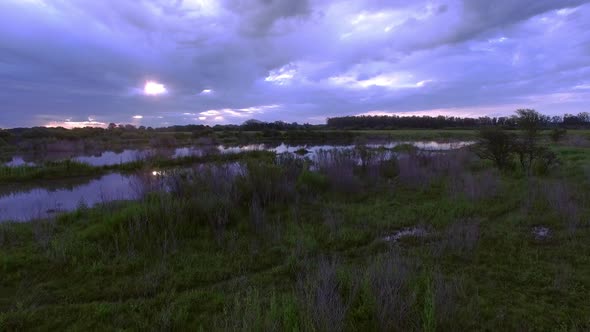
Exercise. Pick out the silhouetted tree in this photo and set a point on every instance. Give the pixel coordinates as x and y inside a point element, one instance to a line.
<point>497,145</point>
<point>530,122</point>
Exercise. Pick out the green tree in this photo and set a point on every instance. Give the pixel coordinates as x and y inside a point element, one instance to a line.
<point>497,145</point>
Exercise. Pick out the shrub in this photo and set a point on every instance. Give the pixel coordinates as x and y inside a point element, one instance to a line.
<point>496,145</point>
<point>545,161</point>
<point>526,147</point>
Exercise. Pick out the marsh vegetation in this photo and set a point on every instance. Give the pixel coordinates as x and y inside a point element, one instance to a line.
<point>485,236</point>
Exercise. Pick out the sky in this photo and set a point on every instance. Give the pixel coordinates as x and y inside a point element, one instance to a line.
<point>166,62</point>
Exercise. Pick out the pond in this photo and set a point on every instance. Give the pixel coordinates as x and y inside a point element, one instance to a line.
<point>41,202</point>
<point>106,158</point>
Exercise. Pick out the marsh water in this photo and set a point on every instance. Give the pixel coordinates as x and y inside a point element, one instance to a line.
<point>43,201</point>
<point>36,203</point>
<point>106,158</point>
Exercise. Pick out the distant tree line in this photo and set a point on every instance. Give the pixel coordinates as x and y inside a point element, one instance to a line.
<point>581,120</point>
<point>569,121</point>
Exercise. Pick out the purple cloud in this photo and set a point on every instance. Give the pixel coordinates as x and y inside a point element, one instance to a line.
<point>225,61</point>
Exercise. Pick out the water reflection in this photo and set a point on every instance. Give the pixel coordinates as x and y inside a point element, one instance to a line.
<point>43,203</point>
<point>312,149</point>
<point>24,204</point>
<point>113,158</point>
<point>106,158</point>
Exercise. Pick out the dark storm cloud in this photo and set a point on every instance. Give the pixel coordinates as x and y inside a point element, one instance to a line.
<point>225,61</point>
<point>258,16</point>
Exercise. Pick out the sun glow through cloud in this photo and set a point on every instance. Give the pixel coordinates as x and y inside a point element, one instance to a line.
<point>154,88</point>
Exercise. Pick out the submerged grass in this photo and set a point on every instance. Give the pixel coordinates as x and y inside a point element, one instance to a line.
<point>278,245</point>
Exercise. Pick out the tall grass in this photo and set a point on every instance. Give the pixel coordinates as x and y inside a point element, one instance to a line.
<point>320,294</point>
<point>562,199</point>
<point>62,169</point>
<point>243,247</point>
<point>390,280</point>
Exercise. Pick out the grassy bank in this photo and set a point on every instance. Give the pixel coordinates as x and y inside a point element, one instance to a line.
<point>438,242</point>
<point>420,134</point>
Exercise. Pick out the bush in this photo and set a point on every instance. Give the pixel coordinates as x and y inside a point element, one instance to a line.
<point>545,162</point>
<point>496,145</point>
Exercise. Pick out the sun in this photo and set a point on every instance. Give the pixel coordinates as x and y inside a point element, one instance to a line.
<point>154,88</point>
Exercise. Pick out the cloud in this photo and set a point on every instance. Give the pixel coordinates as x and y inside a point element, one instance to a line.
<point>311,59</point>
<point>75,124</point>
<point>258,17</point>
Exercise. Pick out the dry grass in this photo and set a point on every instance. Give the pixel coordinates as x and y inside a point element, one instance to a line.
<point>421,169</point>
<point>460,238</point>
<point>476,186</point>
<point>338,166</point>
<point>560,197</point>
